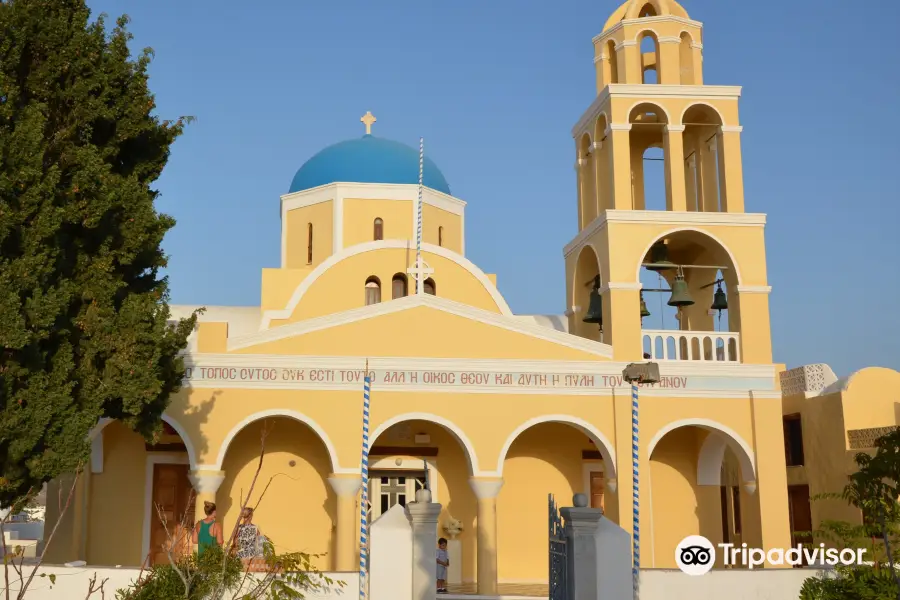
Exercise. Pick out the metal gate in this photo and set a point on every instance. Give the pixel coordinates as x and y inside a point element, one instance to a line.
<point>558,553</point>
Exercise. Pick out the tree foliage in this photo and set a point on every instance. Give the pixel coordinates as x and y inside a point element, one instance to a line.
<point>84,318</point>
<point>874,489</point>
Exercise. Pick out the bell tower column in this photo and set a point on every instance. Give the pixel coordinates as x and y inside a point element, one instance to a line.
<point>620,165</point>
<point>733,180</point>
<point>676,198</point>
<point>669,71</point>
<point>624,323</point>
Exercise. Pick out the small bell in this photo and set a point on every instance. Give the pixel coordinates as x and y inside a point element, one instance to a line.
<point>720,300</point>
<point>659,258</point>
<point>595,308</point>
<point>680,295</point>
<point>644,311</point>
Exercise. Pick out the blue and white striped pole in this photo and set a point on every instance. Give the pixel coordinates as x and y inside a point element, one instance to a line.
<point>635,490</point>
<point>419,283</point>
<point>364,502</point>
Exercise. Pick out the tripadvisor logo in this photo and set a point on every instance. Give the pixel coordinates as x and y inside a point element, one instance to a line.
<point>696,555</point>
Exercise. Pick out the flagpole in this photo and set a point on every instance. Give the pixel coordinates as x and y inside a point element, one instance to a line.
<point>364,502</point>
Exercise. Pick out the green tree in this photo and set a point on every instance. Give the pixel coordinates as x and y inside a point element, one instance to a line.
<point>84,317</point>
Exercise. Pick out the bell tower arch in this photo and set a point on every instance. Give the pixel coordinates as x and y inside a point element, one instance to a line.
<point>658,165</point>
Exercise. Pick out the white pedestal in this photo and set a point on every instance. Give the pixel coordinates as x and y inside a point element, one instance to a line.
<point>454,550</point>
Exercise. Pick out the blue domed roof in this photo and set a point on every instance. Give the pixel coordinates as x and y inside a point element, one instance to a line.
<point>368,159</point>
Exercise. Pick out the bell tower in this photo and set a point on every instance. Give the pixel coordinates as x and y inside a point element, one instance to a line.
<point>684,237</point>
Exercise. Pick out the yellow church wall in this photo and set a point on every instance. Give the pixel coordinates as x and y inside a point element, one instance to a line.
<point>114,533</point>
<point>295,505</point>
<point>278,286</point>
<point>212,337</point>
<point>451,234</point>
<point>359,221</point>
<point>868,400</point>
<point>343,286</point>
<point>378,336</point>
<point>321,216</point>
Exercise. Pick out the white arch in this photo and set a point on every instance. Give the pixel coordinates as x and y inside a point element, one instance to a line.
<point>709,462</point>
<point>590,143</point>
<point>637,36</point>
<point>278,412</point>
<point>188,444</point>
<point>605,118</point>
<point>699,103</point>
<point>607,451</point>
<point>332,260</point>
<point>734,263</point>
<point>458,433</point>
<point>659,106</point>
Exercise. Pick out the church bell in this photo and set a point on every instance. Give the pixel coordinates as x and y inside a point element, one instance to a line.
<point>720,300</point>
<point>680,295</point>
<point>644,311</point>
<point>659,258</point>
<point>595,309</point>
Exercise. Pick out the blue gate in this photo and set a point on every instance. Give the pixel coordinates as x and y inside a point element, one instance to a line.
<point>558,552</point>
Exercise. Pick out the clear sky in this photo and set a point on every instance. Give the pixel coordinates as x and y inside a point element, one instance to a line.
<point>495,88</point>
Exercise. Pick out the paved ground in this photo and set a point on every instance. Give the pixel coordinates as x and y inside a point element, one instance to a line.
<point>531,590</point>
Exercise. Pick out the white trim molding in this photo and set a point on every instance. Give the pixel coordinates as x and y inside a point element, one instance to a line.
<point>647,20</point>
<point>279,412</point>
<point>742,450</point>
<point>607,450</point>
<point>619,127</point>
<point>504,321</point>
<point>675,128</point>
<point>625,44</point>
<point>731,128</point>
<point>153,459</point>
<point>680,379</point>
<point>685,220</point>
<point>621,285</point>
<point>97,461</point>
<point>648,93</point>
<point>754,289</point>
<point>334,259</point>
<point>453,429</point>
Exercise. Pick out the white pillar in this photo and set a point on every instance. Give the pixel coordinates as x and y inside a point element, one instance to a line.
<point>423,514</point>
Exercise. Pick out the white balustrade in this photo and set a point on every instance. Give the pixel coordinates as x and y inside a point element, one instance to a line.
<point>704,346</point>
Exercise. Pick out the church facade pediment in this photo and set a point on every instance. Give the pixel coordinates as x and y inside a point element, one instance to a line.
<point>421,325</point>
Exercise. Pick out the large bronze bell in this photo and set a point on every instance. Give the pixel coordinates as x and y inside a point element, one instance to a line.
<point>644,311</point>
<point>659,258</point>
<point>680,295</point>
<point>595,309</point>
<point>720,300</point>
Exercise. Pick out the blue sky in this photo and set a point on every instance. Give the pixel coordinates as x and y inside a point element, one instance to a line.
<point>495,87</point>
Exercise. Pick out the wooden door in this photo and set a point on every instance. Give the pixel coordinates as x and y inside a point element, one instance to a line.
<point>801,516</point>
<point>597,489</point>
<point>171,499</point>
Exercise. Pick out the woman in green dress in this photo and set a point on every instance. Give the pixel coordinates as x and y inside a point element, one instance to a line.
<point>207,532</point>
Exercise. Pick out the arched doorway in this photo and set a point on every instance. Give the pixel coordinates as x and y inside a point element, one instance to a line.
<point>557,455</point>
<point>294,506</point>
<point>139,493</point>
<point>411,451</point>
<point>702,476</point>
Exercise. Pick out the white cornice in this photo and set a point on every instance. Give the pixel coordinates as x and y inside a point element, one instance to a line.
<point>621,285</point>
<point>754,289</point>
<point>650,92</point>
<point>646,21</point>
<point>672,218</point>
<point>731,128</point>
<point>373,246</point>
<point>371,191</point>
<point>502,321</point>
<point>762,376</point>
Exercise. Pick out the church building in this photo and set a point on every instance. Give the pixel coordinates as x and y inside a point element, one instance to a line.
<point>494,410</point>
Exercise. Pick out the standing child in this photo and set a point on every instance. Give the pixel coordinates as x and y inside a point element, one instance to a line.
<point>443,561</point>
